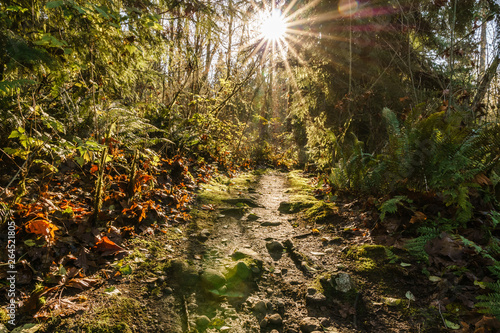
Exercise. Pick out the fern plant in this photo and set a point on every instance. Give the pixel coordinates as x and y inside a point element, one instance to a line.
<point>416,246</point>
<point>391,205</point>
<point>490,303</point>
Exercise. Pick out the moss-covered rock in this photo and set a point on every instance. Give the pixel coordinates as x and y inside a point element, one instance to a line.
<point>212,279</point>
<point>320,211</point>
<point>297,203</point>
<point>183,273</point>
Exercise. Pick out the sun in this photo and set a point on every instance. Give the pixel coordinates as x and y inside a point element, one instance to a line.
<point>274,26</point>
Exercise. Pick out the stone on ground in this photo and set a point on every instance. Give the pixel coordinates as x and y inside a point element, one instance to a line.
<point>212,279</point>
<point>309,325</point>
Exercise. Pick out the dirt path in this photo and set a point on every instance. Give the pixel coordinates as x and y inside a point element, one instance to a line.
<point>282,293</point>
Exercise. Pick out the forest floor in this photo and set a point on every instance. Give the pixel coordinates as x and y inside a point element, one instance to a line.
<point>261,254</point>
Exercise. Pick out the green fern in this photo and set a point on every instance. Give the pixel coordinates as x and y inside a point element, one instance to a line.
<point>391,205</point>
<point>495,269</point>
<point>392,121</point>
<point>391,256</point>
<point>476,247</point>
<point>494,246</point>
<point>416,246</point>
<point>495,218</point>
<point>490,303</point>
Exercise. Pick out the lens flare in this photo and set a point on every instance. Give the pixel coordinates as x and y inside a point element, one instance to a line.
<point>273,25</point>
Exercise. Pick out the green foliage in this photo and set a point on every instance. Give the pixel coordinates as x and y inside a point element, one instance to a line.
<point>490,303</point>
<point>416,246</point>
<point>9,88</point>
<point>393,258</point>
<point>391,205</point>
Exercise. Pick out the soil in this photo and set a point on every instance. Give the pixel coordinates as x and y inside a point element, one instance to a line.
<point>242,265</point>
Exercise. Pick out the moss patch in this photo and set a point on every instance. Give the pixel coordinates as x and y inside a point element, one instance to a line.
<point>144,258</point>
<point>300,194</point>
<point>375,252</point>
<point>298,183</point>
<point>320,211</point>
<point>296,204</point>
<point>116,316</point>
<point>4,316</point>
<point>223,188</point>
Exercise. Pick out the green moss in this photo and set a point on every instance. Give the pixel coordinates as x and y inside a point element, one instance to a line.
<point>320,211</point>
<point>144,263</point>
<point>115,316</point>
<point>368,258</point>
<point>4,316</point>
<point>367,265</point>
<point>298,183</point>
<point>213,193</point>
<point>375,252</point>
<point>297,203</point>
<point>222,188</point>
<point>320,283</point>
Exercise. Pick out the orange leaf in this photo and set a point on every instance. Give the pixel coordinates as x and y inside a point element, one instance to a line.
<point>41,227</point>
<point>106,245</point>
<point>418,217</point>
<point>93,169</point>
<point>143,213</point>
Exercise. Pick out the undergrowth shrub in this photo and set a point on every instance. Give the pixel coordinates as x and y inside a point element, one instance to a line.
<point>435,154</point>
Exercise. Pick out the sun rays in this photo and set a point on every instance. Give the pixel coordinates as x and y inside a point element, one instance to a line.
<point>274,25</point>
<point>284,33</point>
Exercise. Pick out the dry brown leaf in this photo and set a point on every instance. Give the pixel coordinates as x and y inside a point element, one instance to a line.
<point>62,307</point>
<point>418,217</point>
<point>81,283</point>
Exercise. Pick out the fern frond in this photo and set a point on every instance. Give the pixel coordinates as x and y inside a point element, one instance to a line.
<point>416,246</point>
<point>391,256</point>
<point>392,121</point>
<point>391,205</point>
<point>490,303</point>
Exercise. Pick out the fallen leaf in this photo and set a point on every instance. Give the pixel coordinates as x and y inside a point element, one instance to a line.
<point>410,296</point>
<point>108,247</point>
<point>126,270</point>
<point>62,307</point>
<point>81,283</point>
<point>42,227</point>
<point>451,325</point>
<point>489,322</point>
<point>112,291</point>
<point>418,217</point>
<point>390,301</point>
<point>445,246</point>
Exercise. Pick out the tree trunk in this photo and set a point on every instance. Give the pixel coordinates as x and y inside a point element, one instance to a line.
<point>485,83</point>
<point>484,25</point>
